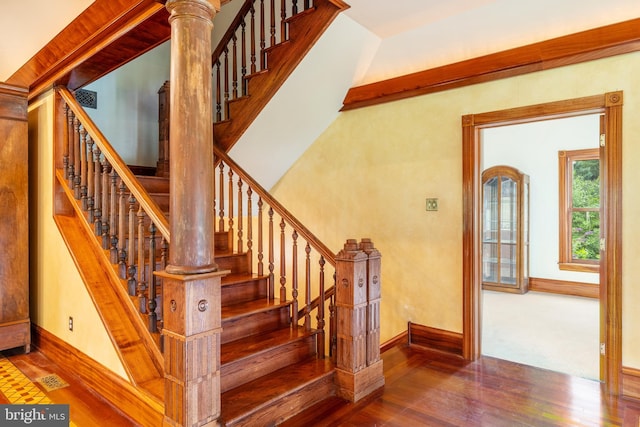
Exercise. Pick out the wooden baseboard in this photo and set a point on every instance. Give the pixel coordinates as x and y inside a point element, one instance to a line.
<point>564,287</point>
<point>435,339</point>
<point>138,405</point>
<point>631,383</point>
<point>400,339</point>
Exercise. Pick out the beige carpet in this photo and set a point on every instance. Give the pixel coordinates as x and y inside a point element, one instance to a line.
<point>555,332</point>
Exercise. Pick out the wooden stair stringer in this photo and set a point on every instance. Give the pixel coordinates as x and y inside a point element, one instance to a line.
<point>305,30</point>
<point>136,348</point>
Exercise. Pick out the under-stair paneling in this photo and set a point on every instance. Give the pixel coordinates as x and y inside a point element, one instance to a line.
<point>57,291</point>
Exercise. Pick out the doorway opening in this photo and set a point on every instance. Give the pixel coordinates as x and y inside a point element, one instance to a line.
<point>610,106</point>
<point>533,309</point>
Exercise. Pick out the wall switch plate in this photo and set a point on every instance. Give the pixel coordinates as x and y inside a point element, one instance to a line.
<point>432,204</point>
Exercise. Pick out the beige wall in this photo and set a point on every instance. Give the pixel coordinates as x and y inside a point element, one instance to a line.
<point>57,291</point>
<point>369,173</point>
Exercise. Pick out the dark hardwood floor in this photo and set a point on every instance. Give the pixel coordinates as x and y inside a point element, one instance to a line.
<point>423,388</point>
<point>426,388</point>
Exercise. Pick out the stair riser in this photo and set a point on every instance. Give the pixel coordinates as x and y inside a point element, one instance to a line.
<point>245,291</point>
<point>237,263</point>
<point>242,371</point>
<point>254,324</point>
<point>288,405</point>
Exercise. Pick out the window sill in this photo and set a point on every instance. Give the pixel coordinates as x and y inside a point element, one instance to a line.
<point>574,266</point>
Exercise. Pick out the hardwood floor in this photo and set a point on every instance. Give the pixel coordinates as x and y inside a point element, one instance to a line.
<point>86,408</point>
<point>423,388</point>
<point>434,389</point>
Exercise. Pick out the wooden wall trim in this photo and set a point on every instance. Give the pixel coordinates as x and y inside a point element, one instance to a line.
<point>631,383</point>
<point>400,339</point>
<point>435,339</point>
<point>138,405</point>
<point>602,42</point>
<point>564,287</point>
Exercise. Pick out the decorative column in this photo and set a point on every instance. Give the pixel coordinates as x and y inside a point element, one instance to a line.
<point>191,136</point>
<point>355,376</point>
<point>191,281</point>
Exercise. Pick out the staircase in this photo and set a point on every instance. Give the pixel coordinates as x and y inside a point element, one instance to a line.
<point>271,365</point>
<point>247,75</point>
<point>270,368</point>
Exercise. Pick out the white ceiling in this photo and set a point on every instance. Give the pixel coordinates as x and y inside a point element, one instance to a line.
<point>414,34</point>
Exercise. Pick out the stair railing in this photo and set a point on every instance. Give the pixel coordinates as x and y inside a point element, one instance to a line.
<point>279,246</point>
<point>127,222</point>
<point>258,26</point>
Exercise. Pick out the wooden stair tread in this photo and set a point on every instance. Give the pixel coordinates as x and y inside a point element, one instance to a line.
<point>234,278</point>
<point>241,400</point>
<point>247,308</point>
<point>254,344</point>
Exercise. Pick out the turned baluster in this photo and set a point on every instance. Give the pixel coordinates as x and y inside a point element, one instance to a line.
<point>225,77</point>
<point>83,168</point>
<point>294,8</point>
<point>122,231</point>
<point>71,118</point>
<point>240,242</point>
<point>253,38</point>
<point>113,216</point>
<point>234,66</point>
<point>271,255</point>
<point>153,317</point>
<point>307,4</point>
<point>230,202</point>
<point>76,161</point>
<point>90,180</point>
<point>320,314</point>
<point>243,57</point>
<point>220,201</point>
<point>97,208</point>
<point>263,55</point>
<point>260,243</point>
<point>307,287</point>
<point>65,144</point>
<point>283,264</point>
<point>218,95</point>
<point>249,226</point>
<point>294,276</point>
<point>164,252</point>
<point>283,20</point>
<point>131,262</point>
<point>272,26</point>
<point>106,170</point>
<point>142,285</point>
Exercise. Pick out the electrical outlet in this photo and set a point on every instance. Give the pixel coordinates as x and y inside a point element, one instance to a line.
<point>432,204</point>
<point>70,323</point>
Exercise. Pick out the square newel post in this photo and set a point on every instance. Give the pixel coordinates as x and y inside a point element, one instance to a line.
<point>192,328</point>
<point>355,378</point>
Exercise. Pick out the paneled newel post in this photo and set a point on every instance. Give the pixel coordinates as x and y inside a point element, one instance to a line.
<point>191,303</point>
<point>359,368</point>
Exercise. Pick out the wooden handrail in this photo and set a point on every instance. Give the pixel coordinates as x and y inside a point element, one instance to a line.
<point>149,205</point>
<point>329,256</point>
<point>316,302</point>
